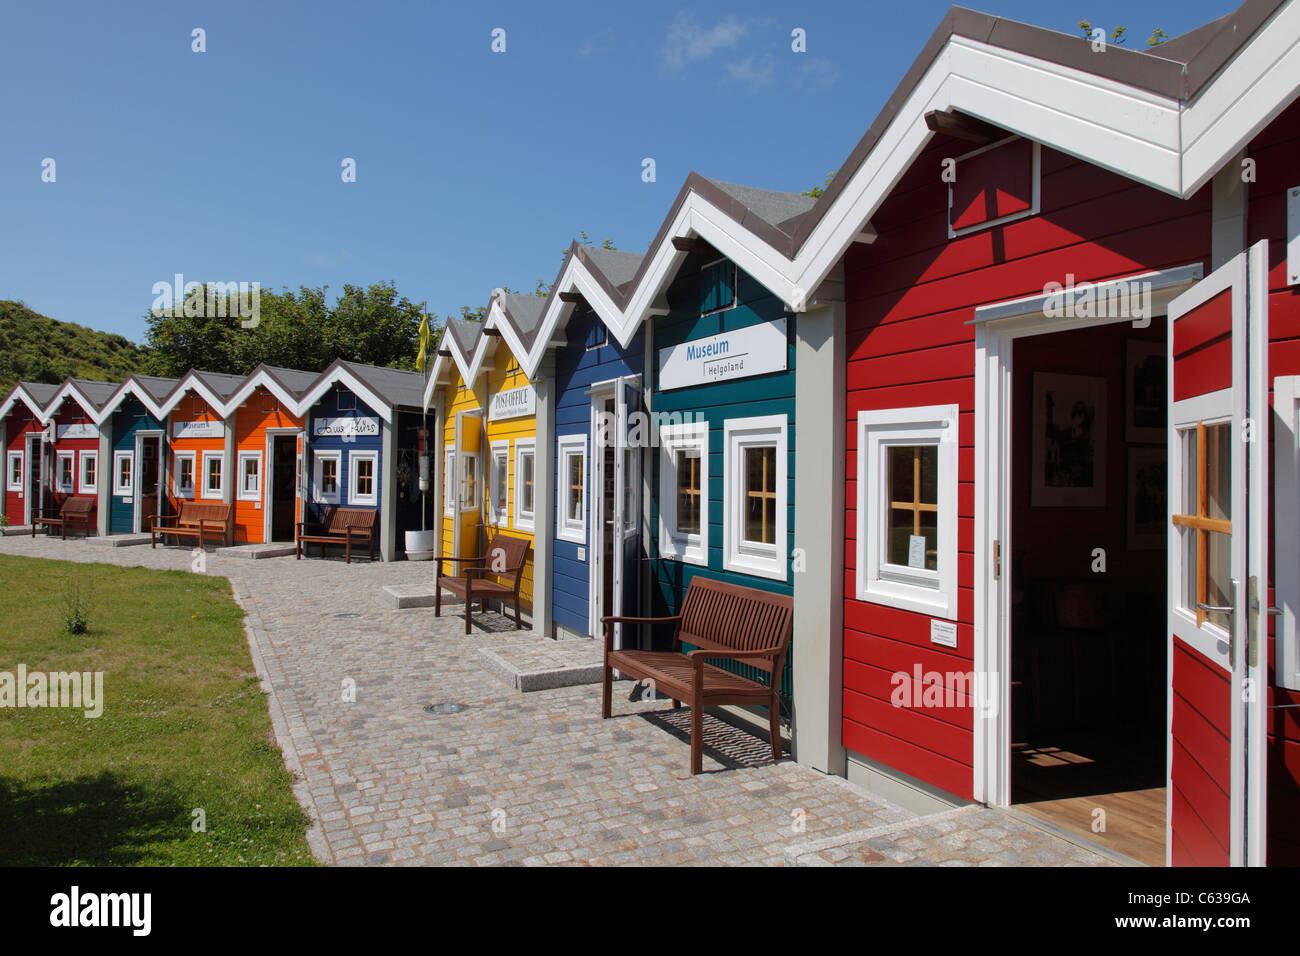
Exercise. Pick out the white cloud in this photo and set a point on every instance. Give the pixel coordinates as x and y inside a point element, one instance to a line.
<point>816,73</point>
<point>687,42</point>
<point>752,71</point>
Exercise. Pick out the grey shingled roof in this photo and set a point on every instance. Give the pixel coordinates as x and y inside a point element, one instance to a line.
<point>524,312</point>
<point>465,334</point>
<point>399,388</point>
<point>220,383</point>
<point>294,380</point>
<point>40,392</point>
<point>771,206</point>
<point>616,266</point>
<point>97,392</point>
<point>157,387</point>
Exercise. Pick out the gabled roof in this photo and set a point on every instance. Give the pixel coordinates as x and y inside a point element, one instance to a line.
<point>513,316</point>
<point>150,390</point>
<point>460,340</point>
<point>90,395</point>
<point>383,389</point>
<point>286,384</point>
<point>216,388</point>
<point>35,395</point>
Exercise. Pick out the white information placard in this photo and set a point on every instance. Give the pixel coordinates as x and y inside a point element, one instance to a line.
<point>753,350</point>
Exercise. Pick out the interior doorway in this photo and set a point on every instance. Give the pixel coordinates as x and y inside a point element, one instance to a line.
<point>150,454</point>
<point>284,487</point>
<point>1088,588</point>
<point>35,474</point>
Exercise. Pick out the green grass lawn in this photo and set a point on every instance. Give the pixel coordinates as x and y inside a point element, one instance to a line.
<point>184,727</point>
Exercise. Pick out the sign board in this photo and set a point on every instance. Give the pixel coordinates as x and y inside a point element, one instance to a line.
<point>943,633</point>
<point>754,350</point>
<point>512,403</point>
<point>78,431</point>
<point>349,427</point>
<point>199,429</point>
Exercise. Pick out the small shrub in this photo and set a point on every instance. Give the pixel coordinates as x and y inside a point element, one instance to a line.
<point>77,595</point>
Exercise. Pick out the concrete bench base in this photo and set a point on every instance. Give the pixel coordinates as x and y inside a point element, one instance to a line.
<point>544,664</point>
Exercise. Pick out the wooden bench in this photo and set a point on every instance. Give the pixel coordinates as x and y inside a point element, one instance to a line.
<point>496,575</point>
<point>196,519</point>
<point>340,526</point>
<point>75,513</point>
<point>723,621</point>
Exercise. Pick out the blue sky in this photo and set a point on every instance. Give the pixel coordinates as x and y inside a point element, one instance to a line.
<point>474,169</point>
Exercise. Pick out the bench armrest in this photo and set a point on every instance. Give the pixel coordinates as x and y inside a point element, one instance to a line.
<point>160,521</point>
<point>703,654</point>
<point>610,620</point>
<point>458,560</point>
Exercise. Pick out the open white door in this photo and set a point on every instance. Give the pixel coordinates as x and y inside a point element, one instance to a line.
<point>1218,539</point>
<point>627,503</point>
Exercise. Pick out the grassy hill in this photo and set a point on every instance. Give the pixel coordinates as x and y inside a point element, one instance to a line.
<point>36,348</point>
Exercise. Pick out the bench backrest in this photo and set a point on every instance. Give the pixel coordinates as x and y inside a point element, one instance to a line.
<point>338,520</point>
<point>77,506</point>
<point>719,615</point>
<point>192,512</point>
<point>506,557</point>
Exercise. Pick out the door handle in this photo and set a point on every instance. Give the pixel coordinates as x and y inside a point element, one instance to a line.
<point>1215,609</point>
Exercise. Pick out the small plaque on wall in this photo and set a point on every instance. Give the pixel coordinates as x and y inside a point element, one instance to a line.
<point>944,633</point>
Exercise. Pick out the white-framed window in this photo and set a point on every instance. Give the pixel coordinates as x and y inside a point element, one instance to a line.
<point>123,473</point>
<point>684,492</point>
<point>499,483</point>
<point>183,474</point>
<point>755,496</point>
<point>363,478</point>
<point>88,476</point>
<point>1286,499</point>
<point>907,508</point>
<point>327,477</point>
<point>14,471</point>
<point>525,483</point>
<point>449,483</point>
<point>250,476</point>
<point>65,472</point>
<point>469,500</point>
<point>571,498</point>
<point>214,475</point>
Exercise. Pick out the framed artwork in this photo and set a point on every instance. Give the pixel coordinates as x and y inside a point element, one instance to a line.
<point>1145,371</point>
<point>1068,450</point>
<point>1148,512</point>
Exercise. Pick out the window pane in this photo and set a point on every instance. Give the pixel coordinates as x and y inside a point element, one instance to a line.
<point>365,476</point>
<point>1218,583</point>
<point>502,479</point>
<point>688,491</point>
<point>1218,472</point>
<point>913,506</point>
<point>528,483</point>
<point>575,487</point>
<point>1187,438</point>
<point>760,494</point>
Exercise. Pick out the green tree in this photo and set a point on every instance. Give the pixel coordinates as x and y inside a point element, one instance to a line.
<point>818,191</point>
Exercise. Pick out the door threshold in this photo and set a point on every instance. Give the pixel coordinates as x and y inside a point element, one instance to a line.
<point>1071,837</point>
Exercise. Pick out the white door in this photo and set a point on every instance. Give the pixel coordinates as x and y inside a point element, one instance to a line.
<point>1218,571</point>
<point>626,525</point>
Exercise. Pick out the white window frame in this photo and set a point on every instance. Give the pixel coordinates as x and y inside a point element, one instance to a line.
<point>354,496</point>
<point>879,582</point>
<point>450,483</point>
<point>120,490</point>
<point>469,501</point>
<point>566,528</point>
<point>65,487</point>
<point>525,520</point>
<point>195,477</point>
<point>1286,497</point>
<point>496,451</point>
<point>204,492</point>
<point>10,458</point>
<point>318,493</point>
<point>740,555</point>
<point>673,544</point>
<point>241,492</point>
<point>83,486</point>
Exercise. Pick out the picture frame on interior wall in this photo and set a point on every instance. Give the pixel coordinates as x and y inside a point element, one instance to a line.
<point>1145,394</point>
<point>1147,490</point>
<point>1068,441</point>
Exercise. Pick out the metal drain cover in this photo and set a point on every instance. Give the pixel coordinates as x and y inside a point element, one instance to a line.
<point>438,710</point>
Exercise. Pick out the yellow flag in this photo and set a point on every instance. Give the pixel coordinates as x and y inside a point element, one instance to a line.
<point>423,357</point>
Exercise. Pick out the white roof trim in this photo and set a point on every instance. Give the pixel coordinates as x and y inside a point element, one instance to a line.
<point>69,388</point>
<point>21,394</point>
<point>262,378</point>
<point>130,386</point>
<point>191,382</point>
<point>341,373</point>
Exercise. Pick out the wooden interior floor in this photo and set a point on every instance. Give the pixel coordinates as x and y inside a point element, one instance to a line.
<point>1066,784</point>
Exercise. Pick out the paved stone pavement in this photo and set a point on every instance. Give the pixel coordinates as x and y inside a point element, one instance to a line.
<point>534,778</point>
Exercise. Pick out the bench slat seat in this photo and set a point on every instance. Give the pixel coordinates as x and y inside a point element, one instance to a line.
<point>197,520</point>
<point>339,526</point>
<point>497,575</point>
<point>722,621</point>
<point>74,513</point>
